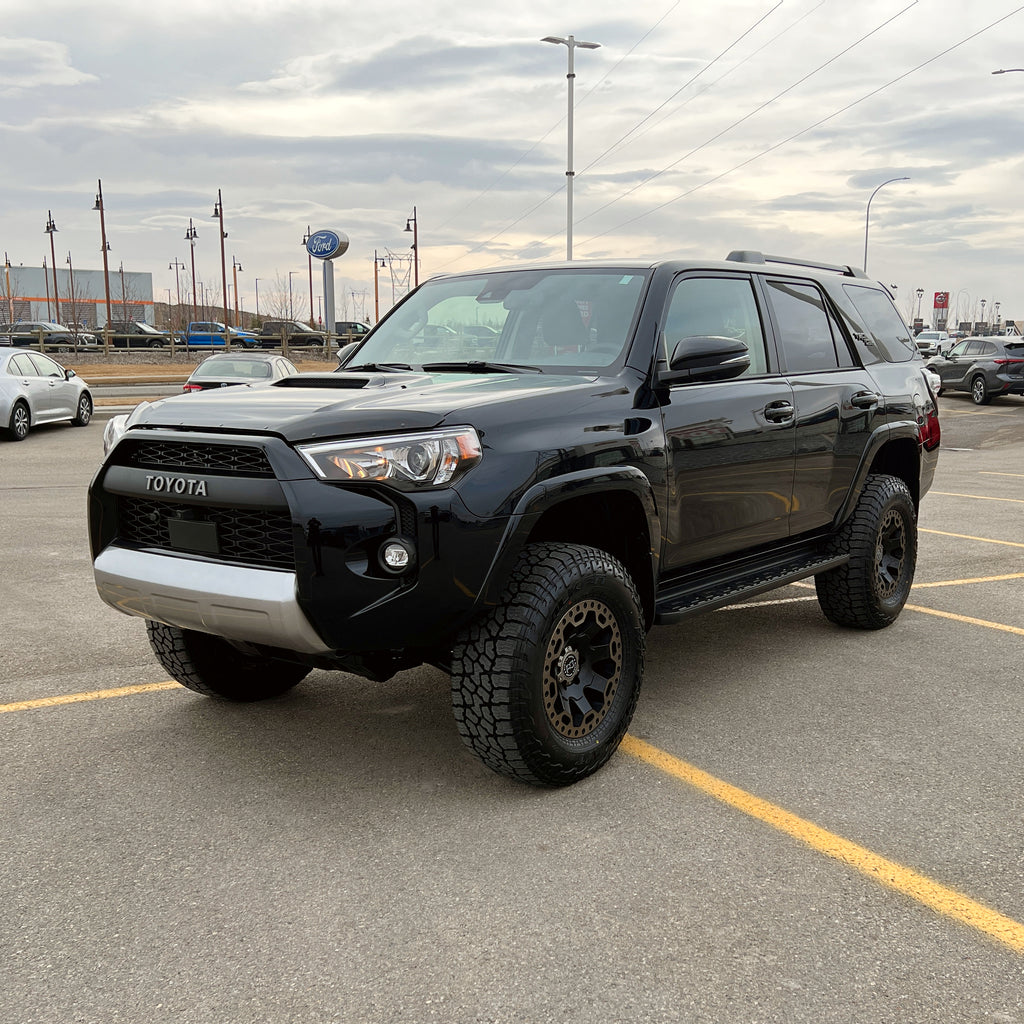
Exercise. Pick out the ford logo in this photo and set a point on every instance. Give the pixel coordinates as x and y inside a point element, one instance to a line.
<point>326,244</point>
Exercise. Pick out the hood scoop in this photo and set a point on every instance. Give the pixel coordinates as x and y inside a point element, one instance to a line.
<point>351,381</point>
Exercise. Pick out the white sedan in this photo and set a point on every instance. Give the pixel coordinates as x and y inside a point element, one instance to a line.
<point>36,389</point>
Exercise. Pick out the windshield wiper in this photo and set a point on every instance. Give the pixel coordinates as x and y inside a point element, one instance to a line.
<point>376,367</point>
<point>482,366</point>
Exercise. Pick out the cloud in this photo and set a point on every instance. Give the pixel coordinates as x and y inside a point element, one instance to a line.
<point>36,63</point>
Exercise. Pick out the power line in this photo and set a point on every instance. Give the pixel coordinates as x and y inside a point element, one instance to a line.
<point>749,114</point>
<point>809,128</point>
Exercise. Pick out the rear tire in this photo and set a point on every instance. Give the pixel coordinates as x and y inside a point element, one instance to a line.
<point>211,666</point>
<point>545,684</point>
<point>979,393</point>
<point>870,590</point>
<point>20,422</point>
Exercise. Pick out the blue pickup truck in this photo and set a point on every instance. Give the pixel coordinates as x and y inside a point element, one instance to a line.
<point>212,334</point>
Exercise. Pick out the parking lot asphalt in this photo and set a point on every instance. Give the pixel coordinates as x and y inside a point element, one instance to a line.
<point>805,823</point>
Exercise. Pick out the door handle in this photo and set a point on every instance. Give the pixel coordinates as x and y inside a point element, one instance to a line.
<point>864,400</point>
<point>779,412</point>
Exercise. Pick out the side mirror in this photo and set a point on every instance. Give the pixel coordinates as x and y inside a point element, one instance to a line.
<point>346,352</point>
<point>706,357</point>
<point>68,374</point>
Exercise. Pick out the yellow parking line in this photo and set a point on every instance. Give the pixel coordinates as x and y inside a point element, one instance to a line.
<point>990,472</point>
<point>967,536</point>
<point>978,497</point>
<point>895,876</point>
<point>74,698</point>
<point>1001,626</point>
<point>979,579</point>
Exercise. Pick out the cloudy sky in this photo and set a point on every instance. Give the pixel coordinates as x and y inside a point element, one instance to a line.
<point>700,127</point>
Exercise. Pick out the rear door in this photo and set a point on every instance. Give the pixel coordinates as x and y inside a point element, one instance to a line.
<point>730,443</point>
<point>838,404</point>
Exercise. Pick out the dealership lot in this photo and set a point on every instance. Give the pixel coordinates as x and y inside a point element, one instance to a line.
<point>336,855</point>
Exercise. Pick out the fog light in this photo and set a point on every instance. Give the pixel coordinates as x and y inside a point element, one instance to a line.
<point>396,555</point>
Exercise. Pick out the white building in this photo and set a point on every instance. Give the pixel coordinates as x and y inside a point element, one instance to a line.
<point>35,293</point>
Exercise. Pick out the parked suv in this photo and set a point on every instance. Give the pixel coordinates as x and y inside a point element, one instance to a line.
<point>986,367</point>
<point>637,442</point>
<point>55,337</point>
<point>297,333</point>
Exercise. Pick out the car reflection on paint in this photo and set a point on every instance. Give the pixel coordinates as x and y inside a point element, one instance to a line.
<point>228,369</point>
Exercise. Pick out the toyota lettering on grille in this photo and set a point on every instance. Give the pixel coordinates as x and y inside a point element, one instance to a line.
<point>176,485</point>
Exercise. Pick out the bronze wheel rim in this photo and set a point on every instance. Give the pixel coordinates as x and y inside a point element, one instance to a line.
<point>582,669</point>
<point>890,553</point>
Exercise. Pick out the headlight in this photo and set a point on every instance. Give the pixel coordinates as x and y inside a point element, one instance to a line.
<point>407,461</point>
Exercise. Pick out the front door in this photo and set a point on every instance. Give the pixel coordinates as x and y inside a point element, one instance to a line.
<point>730,444</point>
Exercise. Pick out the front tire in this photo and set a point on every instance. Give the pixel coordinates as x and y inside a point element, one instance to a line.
<point>544,685</point>
<point>870,590</point>
<point>211,666</point>
<point>84,411</point>
<point>979,393</point>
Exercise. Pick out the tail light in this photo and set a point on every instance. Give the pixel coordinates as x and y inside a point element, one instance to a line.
<point>193,387</point>
<point>1008,362</point>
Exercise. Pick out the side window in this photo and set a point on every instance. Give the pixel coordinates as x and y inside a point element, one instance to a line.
<point>717,307</point>
<point>974,348</point>
<point>45,366</point>
<point>958,350</point>
<point>22,365</point>
<point>987,349</point>
<point>886,326</point>
<point>805,329</point>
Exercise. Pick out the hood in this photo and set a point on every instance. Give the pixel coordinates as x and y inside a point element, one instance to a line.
<point>310,406</point>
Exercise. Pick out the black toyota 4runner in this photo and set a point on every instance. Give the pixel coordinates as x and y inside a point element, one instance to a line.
<point>630,443</point>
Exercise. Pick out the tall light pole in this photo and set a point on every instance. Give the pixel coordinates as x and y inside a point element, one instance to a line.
<point>46,281</point>
<point>218,214</point>
<point>257,298</point>
<point>74,306</point>
<point>571,43</point>
<point>235,268</point>
<point>309,258</point>
<point>106,248</point>
<point>51,229</point>
<point>291,305</point>
<point>920,296</point>
<point>412,224</point>
<point>10,300</point>
<point>176,266</point>
<point>867,216</point>
<point>190,236</point>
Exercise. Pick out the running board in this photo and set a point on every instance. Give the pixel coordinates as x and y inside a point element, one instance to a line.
<point>717,587</point>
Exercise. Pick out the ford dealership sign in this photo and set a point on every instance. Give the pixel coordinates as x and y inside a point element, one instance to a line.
<point>326,244</point>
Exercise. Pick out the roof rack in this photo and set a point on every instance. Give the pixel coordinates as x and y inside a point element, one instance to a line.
<point>753,256</point>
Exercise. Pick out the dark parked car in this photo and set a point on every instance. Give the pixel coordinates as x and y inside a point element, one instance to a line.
<point>55,337</point>
<point>36,389</point>
<point>986,367</point>
<point>226,369</point>
<point>134,334</point>
<point>350,330</point>
<point>297,333</point>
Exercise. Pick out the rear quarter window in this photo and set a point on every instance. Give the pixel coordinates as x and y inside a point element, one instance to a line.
<point>888,333</point>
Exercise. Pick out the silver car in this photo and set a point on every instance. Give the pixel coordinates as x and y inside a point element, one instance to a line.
<point>36,389</point>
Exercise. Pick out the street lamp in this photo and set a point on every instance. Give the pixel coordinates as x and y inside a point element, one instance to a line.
<point>309,260</point>
<point>867,216</point>
<point>46,281</point>
<point>920,296</point>
<point>74,306</point>
<point>106,248</point>
<point>412,224</point>
<point>983,320</point>
<point>10,300</point>
<point>190,236</point>
<point>50,229</point>
<point>176,266</point>
<point>257,299</point>
<point>218,214</point>
<point>235,268</point>
<point>571,43</point>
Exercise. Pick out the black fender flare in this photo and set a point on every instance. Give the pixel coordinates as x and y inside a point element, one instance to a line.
<point>546,494</point>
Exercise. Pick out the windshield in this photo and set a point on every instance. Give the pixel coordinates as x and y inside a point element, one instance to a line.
<point>571,318</point>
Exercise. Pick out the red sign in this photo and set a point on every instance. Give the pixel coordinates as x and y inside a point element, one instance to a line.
<point>941,300</point>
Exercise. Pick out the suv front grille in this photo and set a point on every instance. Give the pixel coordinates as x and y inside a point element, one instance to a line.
<point>251,536</point>
<point>219,459</point>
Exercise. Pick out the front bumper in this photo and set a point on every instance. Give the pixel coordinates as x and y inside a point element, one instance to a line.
<point>232,601</point>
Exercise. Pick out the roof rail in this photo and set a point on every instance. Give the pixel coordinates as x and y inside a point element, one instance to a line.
<point>753,256</point>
